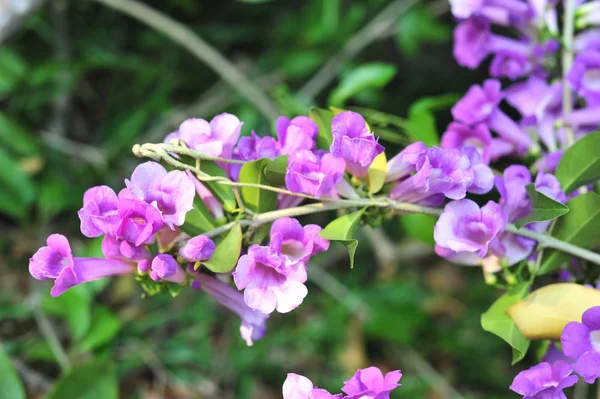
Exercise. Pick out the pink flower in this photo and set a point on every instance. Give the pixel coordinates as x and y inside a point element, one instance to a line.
<point>299,387</point>
<point>370,383</point>
<point>296,243</point>
<point>99,213</point>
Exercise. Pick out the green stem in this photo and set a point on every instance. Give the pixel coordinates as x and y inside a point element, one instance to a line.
<point>567,62</point>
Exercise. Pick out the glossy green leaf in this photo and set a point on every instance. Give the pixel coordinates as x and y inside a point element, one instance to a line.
<point>97,380</point>
<point>227,252</point>
<point>419,226</point>
<point>374,75</point>
<point>275,171</point>
<point>580,164</point>
<point>199,220</point>
<point>223,193</point>
<point>11,386</point>
<point>497,321</point>
<point>255,199</point>
<point>417,27</point>
<point>578,227</point>
<point>75,307</point>
<point>543,208</point>
<point>342,229</point>
<point>104,327</point>
<point>420,126</point>
<point>435,103</point>
<point>322,118</point>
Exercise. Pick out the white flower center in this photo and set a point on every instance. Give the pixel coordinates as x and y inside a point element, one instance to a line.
<point>591,79</point>
<point>595,338</point>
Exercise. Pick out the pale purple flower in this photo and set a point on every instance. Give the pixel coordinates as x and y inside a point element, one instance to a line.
<point>354,142</point>
<point>114,248</point>
<point>315,174</point>
<point>463,226</point>
<point>584,76</point>
<point>55,261</point>
<point>483,177</point>
<point>501,12</point>
<point>588,116</point>
<point>197,249</point>
<point>403,164</point>
<point>99,213</point>
<point>549,162</point>
<point>295,242</point>
<point>582,341</point>
<point>173,192</point>
<point>506,64</point>
<point>370,383</point>
<point>270,281</point>
<point>297,134</point>
<point>544,381</point>
<point>252,148</point>
<point>588,39</point>
<point>481,105</point>
<point>165,267</point>
<point>254,323</point>
<point>458,135</point>
<point>211,202</point>
<point>216,138</point>
<point>299,387</point>
<point>139,220</point>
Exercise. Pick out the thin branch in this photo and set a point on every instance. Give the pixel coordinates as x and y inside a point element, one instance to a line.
<point>12,15</point>
<point>45,327</point>
<point>202,50</point>
<point>363,38</point>
<point>567,62</point>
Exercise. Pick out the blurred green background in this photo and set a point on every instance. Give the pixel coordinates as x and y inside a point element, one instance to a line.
<point>80,83</point>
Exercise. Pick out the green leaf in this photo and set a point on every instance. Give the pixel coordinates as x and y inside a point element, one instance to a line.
<point>578,227</point>
<point>497,321</point>
<point>17,137</point>
<point>12,70</point>
<point>75,307</point>
<point>11,386</point>
<point>255,199</point>
<point>104,327</point>
<point>580,164</point>
<point>374,75</point>
<point>342,229</point>
<point>322,118</point>
<point>227,252</point>
<point>199,220</point>
<point>417,27</point>
<point>419,226</point>
<point>420,126</point>
<point>435,103</point>
<point>275,171</point>
<point>543,208</point>
<point>223,193</point>
<point>96,380</point>
<point>14,178</point>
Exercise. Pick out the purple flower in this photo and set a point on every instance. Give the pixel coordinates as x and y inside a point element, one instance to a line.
<point>463,226</point>
<point>296,243</point>
<point>584,76</point>
<point>99,213</point>
<point>315,174</point>
<point>216,138</point>
<point>458,135</point>
<point>139,221</point>
<point>55,261</point>
<point>173,192</point>
<point>588,116</point>
<point>506,64</point>
<point>370,383</point>
<point>501,12</point>
<point>480,105</point>
<point>514,199</point>
<point>296,134</point>
<point>544,381</point>
<point>403,164</point>
<point>299,387</point>
<point>165,267</point>
<point>252,148</point>
<point>353,142</point>
<point>270,281</point>
<point>211,202</point>
<point>254,323</point>
<point>582,341</point>
<point>114,248</point>
<point>197,249</point>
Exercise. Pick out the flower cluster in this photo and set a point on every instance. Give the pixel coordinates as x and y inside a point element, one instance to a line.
<point>369,383</point>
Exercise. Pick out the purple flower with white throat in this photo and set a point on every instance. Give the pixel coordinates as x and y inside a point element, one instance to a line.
<point>370,383</point>
<point>295,242</point>
<point>315,174</point>
<point>464,227</point>
<point>544,381</point>
<point>165,267</point>
<point>458,135</point>
<point>354,142</point>
<point>197,249</point>
<point>172,192</point>
<point>584,76</point>
<point>139,220</point>
<point>99,213</point>
<point>254,323</point>
<point>56,262</point>
<point>299,387</point>
<point>582,342</point>
<point>481,105</point>
<point>270,281</point>
<point>297,134</point>
<point>404,163</point>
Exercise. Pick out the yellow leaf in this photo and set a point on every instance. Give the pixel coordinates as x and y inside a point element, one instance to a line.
<point>545,312</point>
<point>376,173</point>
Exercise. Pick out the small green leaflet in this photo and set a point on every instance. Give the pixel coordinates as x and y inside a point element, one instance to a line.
<point>375,75</point>
<point>543,208</point>
<point>580,164</point>
<point>223,193</point>
<point>198,220</point>
<point>11,386</point>
<point>497,321</point>
<point>97,380</point>
<point>342,229</point>
<point>255,199</point>
<point>275,171</point>
<point>322,118</point>
<point>227,252</point>
<point>578,227</point>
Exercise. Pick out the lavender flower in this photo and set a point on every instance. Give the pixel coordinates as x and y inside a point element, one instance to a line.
<point>114,248</point>
<point>315,174</point>
<point>458,135</point>
<point>501,12</point>
<point>197,249</point>
<point>55,261</point>
<point>294,242</point>
<point>165,267</point>
<point>297,134</point>
<point>99,213</point>
<point>584,76</point>
<point>464,227</point>
<point>370,383</point>
<point>544,381</point>
<point>269,281</point>
<point>404,163</point>
<point>582,341</point>
<point>139,221</point>
<point>299,387</point>
<point>353,142</point>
